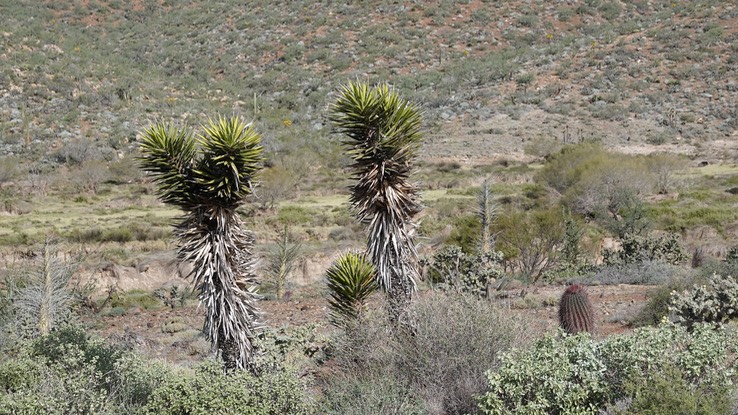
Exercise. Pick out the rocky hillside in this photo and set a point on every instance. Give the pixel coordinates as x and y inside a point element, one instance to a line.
<point>79,78</point>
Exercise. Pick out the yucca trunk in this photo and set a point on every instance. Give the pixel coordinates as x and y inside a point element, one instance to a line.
<point>392,251</point>
<point>213,240</point>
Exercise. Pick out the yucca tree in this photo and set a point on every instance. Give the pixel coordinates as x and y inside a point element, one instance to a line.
<point>382,134</point>
<point>208,175</point>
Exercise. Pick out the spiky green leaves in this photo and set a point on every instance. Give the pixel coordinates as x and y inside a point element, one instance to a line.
<point>215,167</point>
<point>351,280</point>
<point>379,125</point>
<point>382,136</point>
<point>169,155</point>
<point>231,156</point>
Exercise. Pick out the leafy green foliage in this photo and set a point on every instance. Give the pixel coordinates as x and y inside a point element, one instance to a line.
<point>65,372</point>
<point>635,249</point>
<point>69,385</point>
<point>669,393</point>
<point>657,304</point>
<point>135,378</point>
<point>583,376</point>
<point>209,391</point>
<point>71,372</point>
<point>220,171</point>
<point>574,376</point>
<point>600,184</point>
<point>530,241</point>
<point>351,280</point>
<point>92,351</point>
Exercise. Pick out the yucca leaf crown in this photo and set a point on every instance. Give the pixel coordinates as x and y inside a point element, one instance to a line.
<point>214,168</point>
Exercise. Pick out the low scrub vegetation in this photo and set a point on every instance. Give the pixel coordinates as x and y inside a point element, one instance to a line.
<point>621,374</point>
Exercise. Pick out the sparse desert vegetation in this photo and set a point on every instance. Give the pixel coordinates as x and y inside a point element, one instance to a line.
<point>450,207</point>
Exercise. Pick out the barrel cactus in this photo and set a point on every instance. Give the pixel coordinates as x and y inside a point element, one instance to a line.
<point>575,310</point>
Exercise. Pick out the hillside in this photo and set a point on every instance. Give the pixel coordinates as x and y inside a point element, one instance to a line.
<point>79,79</point>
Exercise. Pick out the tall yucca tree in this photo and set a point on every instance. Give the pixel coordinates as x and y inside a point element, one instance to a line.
<point>383,134</point>
<point>208,175</point>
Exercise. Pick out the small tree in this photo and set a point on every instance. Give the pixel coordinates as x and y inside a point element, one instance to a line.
<point>665,168</point>
<point>531,240</point>
<point>383,135</point>
<point>208,176</point>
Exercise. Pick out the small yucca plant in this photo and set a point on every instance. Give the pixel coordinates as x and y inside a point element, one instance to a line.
<point>351,280</point>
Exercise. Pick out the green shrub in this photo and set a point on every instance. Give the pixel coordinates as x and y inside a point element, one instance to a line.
<point>74,340</point>
<point>714,302</point>
<point>295,215</point>
<point>450,269</point>
<point>209,391</point>
<point>634,249</point>
<point>595,182</point>
<point>134,380</point>
<point>657,305</point>
<point>668,393</point>
<point>20,373</point>
<point>70,384</point>
<point>576,375</point>
<point>575,382</point>
<point>530,241</point>
<point>136,298</point>
<point>465,231</point>
<point>114,312</point>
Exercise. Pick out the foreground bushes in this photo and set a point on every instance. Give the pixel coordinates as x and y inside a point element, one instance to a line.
<point>434,363</point>
<point>621,374</point>
<point>207,391</point>
<point>70,372</point>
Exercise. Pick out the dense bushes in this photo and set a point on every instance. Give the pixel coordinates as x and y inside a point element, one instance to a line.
<point>450,269</point>
<point>71,372</point>
<point>576,375</point>
<point>209,391</point>
<point>440,359</point>
<point>636,248</point>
